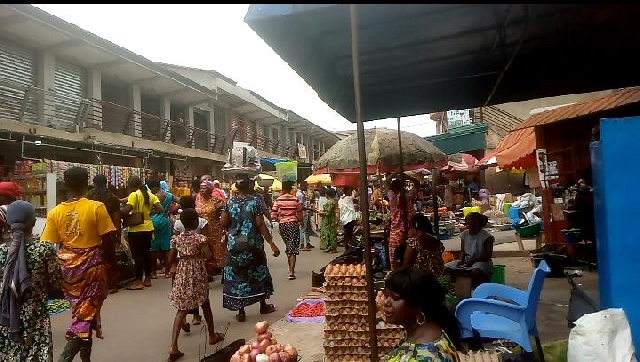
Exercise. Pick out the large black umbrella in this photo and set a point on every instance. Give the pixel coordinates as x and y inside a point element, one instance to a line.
<point>423,58</point>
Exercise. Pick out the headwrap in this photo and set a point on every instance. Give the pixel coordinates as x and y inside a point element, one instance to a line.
<point>10,189</point>
<point>206,184</point>
<point>164,186</point>
<point>15,280</point>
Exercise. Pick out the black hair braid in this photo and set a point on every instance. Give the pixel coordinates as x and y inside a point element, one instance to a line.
<point>145,194</point>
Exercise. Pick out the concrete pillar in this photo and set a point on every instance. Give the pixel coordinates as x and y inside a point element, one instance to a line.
<point>188,121</point>
<point>307,145</point>
<point>94,93</point>
<point>165,114</point>
<point>212,129</point>
<point>135,103</point>
<point>45,79</point>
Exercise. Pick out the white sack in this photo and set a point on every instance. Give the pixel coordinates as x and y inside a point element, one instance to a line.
<point>602,336</point>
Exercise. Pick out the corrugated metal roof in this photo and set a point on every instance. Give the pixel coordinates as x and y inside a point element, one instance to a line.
<point>614,100</point>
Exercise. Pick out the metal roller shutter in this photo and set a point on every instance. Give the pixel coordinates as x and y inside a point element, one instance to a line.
<point>71,90</point>
<point>17,71</point>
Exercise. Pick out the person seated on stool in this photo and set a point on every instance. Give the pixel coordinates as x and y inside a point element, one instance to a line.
<point>476,250</point>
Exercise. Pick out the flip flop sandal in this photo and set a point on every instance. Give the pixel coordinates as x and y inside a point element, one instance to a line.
<point>186,327</point>
<point>148,285</point>
<point>131,287</point>
<point>270,309</point>
<point>241,317</point>
<point>292,277</point>
<point>219,337</point>
<point>175,356</point>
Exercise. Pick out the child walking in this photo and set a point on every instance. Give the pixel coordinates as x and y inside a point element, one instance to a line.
<point>190,285</point>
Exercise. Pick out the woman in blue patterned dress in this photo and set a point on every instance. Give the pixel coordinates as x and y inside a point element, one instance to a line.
<point>415,300</point>
<point>246,276</point>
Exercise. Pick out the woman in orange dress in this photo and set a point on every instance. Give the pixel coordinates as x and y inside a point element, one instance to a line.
<point>209,206</point>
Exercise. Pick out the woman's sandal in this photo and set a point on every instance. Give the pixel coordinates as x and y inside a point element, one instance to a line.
<point>270,308</point>
<point>241,317</point>
<point>218,337</point>
<point>135,287</point>
<point>186,327</point>
<point>175,356</point>
<point>292,277</point>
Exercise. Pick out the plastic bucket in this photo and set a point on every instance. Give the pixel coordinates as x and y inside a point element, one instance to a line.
<point>497,275</point>
<point>287,171</point>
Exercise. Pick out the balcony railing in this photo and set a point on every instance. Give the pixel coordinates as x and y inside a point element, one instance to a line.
<point>55,110</point>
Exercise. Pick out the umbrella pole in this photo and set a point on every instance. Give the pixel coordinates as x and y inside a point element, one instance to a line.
<point>400,145</point>
<point>436,214</point>
<point>364,199</point>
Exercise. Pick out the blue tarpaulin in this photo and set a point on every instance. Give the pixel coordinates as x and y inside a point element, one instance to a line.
<point>272,161</point>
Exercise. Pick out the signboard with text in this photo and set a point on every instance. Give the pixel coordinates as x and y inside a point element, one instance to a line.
<point>457,118</point>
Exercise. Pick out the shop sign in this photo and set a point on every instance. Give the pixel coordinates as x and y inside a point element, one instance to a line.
<point>457,118</point>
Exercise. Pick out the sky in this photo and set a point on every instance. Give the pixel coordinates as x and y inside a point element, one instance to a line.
<point>215,37</point>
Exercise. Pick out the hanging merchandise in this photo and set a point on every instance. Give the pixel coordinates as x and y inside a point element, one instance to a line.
<point>117,175</point>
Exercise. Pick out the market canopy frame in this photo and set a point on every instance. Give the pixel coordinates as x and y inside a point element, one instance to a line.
<point>423,58</point>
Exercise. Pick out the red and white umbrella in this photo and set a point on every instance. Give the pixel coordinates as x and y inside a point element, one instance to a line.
<point>488,161</point>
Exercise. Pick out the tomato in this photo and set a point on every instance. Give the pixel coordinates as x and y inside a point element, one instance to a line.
<point>305,309</point>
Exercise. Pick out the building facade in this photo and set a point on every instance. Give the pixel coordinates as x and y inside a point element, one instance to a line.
<point>68,94</point>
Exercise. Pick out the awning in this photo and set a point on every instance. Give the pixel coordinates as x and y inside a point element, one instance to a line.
<point>617,99</point>
<point>517,149</point>
<point>424,58</point>
<point>461,139</point>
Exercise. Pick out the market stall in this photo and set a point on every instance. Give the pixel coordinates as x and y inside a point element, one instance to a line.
<point>403,75</point>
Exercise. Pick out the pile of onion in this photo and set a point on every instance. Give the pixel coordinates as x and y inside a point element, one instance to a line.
<point>265,348</point>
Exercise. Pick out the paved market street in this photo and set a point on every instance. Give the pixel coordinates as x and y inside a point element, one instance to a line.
<point>137,324</point>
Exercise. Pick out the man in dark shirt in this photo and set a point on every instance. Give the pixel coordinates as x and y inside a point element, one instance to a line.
<point>111,202</point>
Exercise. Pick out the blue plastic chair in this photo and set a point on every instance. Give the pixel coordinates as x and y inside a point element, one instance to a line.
<point>492,318</point>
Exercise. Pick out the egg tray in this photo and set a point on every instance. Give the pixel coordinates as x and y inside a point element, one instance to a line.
<point>350,311</point>
<point>345,319</point>
<point>330,287</point>
<point>347,302</point>
<point>347,358</point>
<point>346,342</point>
<point>339,270</point>
<point>389,327</point>
<point>338,334</point>
<point>389,334</point>
<point>337,326</point>
<point>478,356</point>
<point>362,350</point>
<point>334,296</point>
<point>354,282</point>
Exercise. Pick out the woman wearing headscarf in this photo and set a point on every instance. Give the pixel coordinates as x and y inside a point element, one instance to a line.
<point>80,226</point>
<point>160,246</point>
<point>476,245</point>
<point>9,192</point>
<point>210,205</point>
<point>32,267</point>
<point>111,202</point>
<point>247,279</point>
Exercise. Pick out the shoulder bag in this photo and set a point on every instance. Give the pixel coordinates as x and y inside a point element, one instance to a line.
<point>133,218</point>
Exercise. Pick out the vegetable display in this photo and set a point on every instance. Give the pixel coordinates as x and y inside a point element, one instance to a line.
<point>305,309</point>
<point>265,348</point>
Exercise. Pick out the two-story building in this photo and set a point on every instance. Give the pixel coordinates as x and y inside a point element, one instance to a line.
<point>67,94</point>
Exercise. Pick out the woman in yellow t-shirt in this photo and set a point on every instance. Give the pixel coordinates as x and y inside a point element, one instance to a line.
<point>81,226</point>
<point>140,236</point>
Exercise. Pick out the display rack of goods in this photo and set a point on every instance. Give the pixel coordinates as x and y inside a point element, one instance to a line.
<point>346,332</point>
<point>265,348</point>
<point>38,189</point>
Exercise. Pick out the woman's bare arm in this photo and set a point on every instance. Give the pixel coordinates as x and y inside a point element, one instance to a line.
<point>225,220</point>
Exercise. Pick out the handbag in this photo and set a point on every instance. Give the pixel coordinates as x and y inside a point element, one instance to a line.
<point>134,218</point>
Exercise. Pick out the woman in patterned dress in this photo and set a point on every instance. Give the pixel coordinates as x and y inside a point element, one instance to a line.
<point>415,300</point>
<point>25,328</point>
<point>424,250</point>
<point>190,287</point>
<point>209,205</point>
<point>399,218</point>
<point>329,226</point>
<point>246,276</point>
